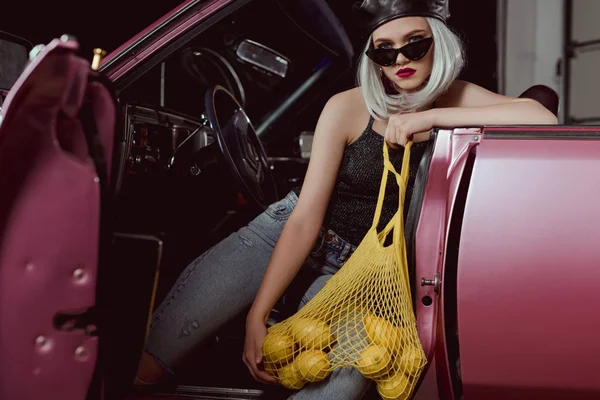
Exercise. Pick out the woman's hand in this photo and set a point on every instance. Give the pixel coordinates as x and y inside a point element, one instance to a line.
<point>401,128</point>
<point>255,334</point>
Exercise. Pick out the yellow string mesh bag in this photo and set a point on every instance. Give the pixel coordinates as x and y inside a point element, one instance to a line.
<point>362,318</point>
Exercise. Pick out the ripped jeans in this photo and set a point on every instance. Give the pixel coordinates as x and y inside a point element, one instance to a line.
<point>222,283</point>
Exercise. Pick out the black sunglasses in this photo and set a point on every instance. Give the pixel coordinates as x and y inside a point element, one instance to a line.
<point>414,51</point>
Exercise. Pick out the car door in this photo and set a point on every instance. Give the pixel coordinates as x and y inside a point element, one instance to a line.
<point>56,133</point>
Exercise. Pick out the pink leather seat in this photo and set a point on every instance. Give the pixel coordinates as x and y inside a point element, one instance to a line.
<point>50,221</point>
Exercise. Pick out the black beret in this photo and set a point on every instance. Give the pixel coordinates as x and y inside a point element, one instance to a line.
<point>373,13</point>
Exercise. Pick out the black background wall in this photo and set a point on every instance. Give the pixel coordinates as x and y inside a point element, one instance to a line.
<point>109,23</point>
<point>475,21</point>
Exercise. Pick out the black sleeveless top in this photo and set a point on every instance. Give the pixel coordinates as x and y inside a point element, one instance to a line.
<point>352,206</point>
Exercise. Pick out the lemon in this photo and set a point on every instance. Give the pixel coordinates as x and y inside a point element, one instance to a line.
<point>312,333</point>
<point>395,387</point>
<point>290,378</point>
<point>270,368</point>
<point>278,347</point>
<point>410,361</point>
<point>313,365</point>
<point>374,361</point>
<point>382,332</point>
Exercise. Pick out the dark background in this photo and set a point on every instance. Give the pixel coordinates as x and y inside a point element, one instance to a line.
<point>110,23</point>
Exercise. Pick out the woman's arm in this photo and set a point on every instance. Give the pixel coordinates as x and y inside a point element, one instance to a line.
<point>302,228</point>
<point>467,105</point>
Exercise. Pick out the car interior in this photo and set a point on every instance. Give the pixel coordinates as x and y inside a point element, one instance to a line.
<point>280,81</point>
<point>207,136</point>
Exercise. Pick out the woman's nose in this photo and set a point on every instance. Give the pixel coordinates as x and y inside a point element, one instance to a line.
<point>401,59</point>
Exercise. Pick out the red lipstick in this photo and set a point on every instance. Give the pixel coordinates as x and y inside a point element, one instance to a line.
<point>405,72</point>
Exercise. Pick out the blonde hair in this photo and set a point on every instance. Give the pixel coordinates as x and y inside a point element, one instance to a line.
<point>448,61</point>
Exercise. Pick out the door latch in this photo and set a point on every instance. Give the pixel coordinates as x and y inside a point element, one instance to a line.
<point>435,282</point>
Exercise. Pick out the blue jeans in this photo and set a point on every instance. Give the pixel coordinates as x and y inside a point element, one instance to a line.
<point>222,283</point>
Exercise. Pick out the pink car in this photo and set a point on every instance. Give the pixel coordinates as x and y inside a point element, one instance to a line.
<point>112,174</point>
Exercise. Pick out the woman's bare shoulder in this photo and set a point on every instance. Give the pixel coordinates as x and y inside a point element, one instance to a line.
<point>350,100</point>
<point>349,111</point>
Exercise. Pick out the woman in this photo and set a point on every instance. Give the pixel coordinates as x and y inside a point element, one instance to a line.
<point>407,86</point>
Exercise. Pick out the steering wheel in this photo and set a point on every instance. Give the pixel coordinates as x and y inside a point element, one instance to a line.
<point>240,146</point>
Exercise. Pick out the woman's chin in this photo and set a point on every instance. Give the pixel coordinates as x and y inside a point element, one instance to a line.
<point>409,84</point>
